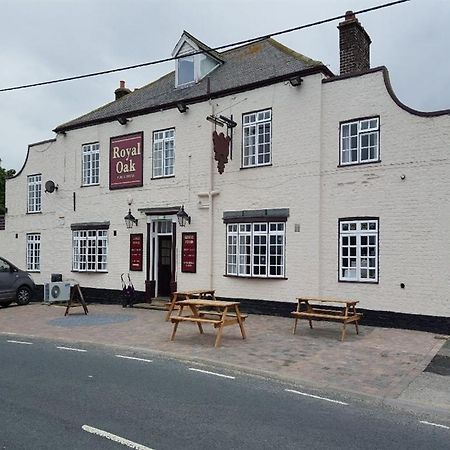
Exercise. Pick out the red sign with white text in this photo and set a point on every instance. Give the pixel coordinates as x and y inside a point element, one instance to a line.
<point>189,252</point>
<point>136,249</point>
<point>126,156</point>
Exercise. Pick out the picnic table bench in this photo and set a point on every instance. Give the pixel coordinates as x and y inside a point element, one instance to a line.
<point>186,295</point>
<point>221,316</point>
<point>344,313</point>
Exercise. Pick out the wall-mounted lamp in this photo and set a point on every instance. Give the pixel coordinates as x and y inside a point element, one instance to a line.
<point>182,107</point>
<point>296,81</point>
<point>122,120</point>
<point>183,217</point>
<point>130,219</point>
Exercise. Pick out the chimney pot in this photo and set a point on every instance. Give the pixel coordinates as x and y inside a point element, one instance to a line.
<point>349,15</point>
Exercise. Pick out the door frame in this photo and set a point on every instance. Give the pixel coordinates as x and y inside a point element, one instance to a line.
<point>152,259</point>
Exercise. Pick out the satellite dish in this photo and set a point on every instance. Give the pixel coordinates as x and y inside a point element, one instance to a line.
<point>50,186</point>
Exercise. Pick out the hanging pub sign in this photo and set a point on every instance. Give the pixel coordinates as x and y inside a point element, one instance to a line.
<point>221,150</point>
<point>136,248</point>
<point>126,161</point>
<point>189,252</point>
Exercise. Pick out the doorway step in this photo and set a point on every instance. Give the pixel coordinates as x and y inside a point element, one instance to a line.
<point>159,303</point>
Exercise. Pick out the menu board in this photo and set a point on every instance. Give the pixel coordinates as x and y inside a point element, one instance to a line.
<point>189,252</point>
<point>136,248</point>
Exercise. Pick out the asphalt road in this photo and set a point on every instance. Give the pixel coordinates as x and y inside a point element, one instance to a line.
<point>61,398</point>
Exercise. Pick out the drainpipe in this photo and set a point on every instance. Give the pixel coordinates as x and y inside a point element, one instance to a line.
<point>211,194</point>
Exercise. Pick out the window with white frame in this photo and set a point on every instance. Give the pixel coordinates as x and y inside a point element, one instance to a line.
<point>256,249</point>
<point>34,197</point>
<point>360,141</point>
<point>164,153</point>
<point>358,250</point>
<point>190,67</point>
<point>89,250</point>
<point>33,252</point>
<point>257,138</point>
<point>90,164</point>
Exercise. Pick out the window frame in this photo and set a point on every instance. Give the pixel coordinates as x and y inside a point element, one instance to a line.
<point>197,59</point>
<point>240,233</point>
<point>90,172</point>
<point>82,260</point>
<point>36,199</point>
<point>163,151</point>
<point>359,135</point>
<point>33,252</point>
<point>255,124</point>
<point>358,233</point>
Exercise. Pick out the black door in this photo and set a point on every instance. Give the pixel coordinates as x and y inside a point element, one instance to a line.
<point>164,265</point>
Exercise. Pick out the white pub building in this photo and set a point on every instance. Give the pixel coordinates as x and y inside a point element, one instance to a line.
<point>256,172</point>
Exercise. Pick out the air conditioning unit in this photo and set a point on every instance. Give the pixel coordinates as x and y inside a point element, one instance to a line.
<point>56,292</point>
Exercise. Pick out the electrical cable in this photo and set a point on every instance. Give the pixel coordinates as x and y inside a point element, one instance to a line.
<point>159,61</point>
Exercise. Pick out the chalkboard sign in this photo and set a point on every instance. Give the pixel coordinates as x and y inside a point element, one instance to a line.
<point>189,252</point>
<point>136,248</point>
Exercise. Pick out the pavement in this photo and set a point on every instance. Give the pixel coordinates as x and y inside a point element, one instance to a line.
<point>396,367</point>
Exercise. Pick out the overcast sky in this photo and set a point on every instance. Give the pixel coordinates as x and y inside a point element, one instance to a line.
<point>47,39</point>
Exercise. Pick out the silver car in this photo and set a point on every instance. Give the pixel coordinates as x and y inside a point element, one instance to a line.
<point>15,285</point>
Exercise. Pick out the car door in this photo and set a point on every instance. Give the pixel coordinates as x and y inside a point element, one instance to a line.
<point>7,279</point>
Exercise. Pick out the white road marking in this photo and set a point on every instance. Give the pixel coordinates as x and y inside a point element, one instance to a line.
<point>8,332</point>
<point>212,373</point>
<point>435,424</point>
<point>115,438</point>
<point>316,396</point>
<point>134,358</point>
<point>72,349</point>
<point>20,342</point>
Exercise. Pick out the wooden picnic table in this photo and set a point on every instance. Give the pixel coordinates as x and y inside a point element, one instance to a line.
<point>221,314</point>
<point>345,312</point>
<point>186,295</point>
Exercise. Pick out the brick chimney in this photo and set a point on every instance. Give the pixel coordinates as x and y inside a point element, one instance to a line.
<point>354,45</point>
<point>121,90</point>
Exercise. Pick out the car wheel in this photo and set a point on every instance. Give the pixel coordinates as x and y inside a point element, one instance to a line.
<point>5,304</point>
<point>23,295</point>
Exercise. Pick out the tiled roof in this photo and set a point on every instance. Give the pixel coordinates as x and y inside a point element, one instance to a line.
<point>259,63</point>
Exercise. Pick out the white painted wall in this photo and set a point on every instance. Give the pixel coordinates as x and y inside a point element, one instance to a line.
<point>304,177</point>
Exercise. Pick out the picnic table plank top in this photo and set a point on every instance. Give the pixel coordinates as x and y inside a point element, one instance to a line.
<point>203,302</point>
<point>327,300</point>
<point>195,291</point>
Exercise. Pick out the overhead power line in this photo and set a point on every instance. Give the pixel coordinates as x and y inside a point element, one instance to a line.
<point>234,44</point>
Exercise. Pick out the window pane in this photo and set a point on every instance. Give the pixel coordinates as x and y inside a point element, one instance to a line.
<point>186,70</point>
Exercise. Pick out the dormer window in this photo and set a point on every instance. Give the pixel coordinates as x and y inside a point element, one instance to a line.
<point>191,68</point>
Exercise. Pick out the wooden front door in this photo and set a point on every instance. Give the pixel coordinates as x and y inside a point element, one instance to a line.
<point>164,265</point>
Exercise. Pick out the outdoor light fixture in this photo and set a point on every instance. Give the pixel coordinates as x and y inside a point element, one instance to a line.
<point>182,107</point>
<point>130,219</point>
<point>296,81</point>
<point>122,120</point>
<point>182,217</point>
